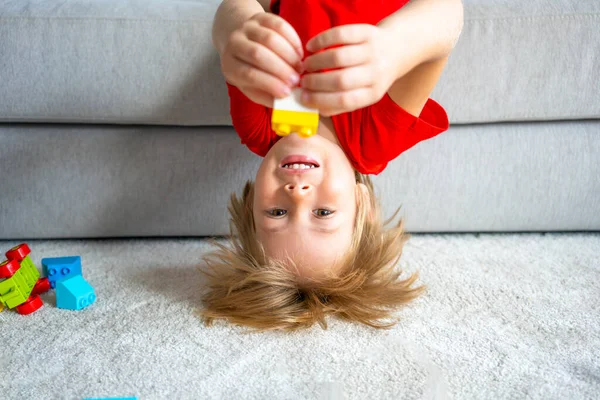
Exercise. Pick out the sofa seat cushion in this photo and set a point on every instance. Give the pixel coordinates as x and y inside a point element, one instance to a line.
<point>152,62</point>
<point>70,181</point>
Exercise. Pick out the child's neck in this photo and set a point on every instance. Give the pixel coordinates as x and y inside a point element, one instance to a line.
<point>327,130</point>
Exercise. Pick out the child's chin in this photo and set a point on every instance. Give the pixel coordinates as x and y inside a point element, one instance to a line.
<point>295,138</point>
<point>294,144</point>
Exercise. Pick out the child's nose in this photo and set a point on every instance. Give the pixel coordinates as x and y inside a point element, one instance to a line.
<point>297,189</point>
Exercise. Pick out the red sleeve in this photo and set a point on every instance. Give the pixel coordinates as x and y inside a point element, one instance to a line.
<point>251,121</point>
<point>375,135</point>
<point>311,17</point>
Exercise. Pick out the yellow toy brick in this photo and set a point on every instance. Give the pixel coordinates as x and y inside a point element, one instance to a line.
<point>290,116</point>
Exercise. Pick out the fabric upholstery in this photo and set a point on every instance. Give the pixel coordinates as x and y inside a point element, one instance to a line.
<point>102,181</point>
<point>152,62</point>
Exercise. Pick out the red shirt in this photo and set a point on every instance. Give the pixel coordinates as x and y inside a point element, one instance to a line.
<point>371,136</point>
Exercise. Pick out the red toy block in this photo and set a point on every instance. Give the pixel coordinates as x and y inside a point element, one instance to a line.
<point>18,252</point>
<point>33,303</point>
<point>8,268</point>
<point>41,286</point>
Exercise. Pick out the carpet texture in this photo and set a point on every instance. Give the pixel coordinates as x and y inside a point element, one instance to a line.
<point>505,317</point>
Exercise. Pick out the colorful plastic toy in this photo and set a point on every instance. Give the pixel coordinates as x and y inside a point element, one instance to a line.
<point>20,254</point>
<point>15,288</point>
<point>74,293</point>
<point>8,269</point>
<point>20,283</point>
<point>41,286</point>
<point>59,268</point>
<point>33,303</point>
<point>289,115</point>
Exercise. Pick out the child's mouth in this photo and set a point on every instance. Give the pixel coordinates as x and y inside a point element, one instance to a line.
<point>299,162</point>
<point>299,166</point>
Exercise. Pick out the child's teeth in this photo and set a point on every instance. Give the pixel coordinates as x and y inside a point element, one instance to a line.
<point>299,166</point>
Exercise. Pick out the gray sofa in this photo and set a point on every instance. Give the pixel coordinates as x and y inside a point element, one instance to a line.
<point>114,122</point>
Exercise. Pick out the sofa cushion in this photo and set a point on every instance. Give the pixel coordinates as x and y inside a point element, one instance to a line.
<point>152,62</point>
<point>69,181</point>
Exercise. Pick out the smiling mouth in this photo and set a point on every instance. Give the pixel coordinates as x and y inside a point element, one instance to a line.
<point>299,166</point>
<point>299,162</point>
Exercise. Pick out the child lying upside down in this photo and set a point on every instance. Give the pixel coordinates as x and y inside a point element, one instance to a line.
<point>308,237</point>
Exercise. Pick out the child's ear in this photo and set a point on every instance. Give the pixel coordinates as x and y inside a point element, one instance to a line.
<point>363,199</point>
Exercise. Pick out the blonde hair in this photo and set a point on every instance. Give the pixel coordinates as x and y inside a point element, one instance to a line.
<point>248,288</point>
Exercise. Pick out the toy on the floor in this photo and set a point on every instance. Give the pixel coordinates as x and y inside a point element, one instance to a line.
<point>59,268</point>
<point>20,282</point>
<point>110,398</point>
<point>289,116</point>
<point>21,285</point>
<point>74,293</point>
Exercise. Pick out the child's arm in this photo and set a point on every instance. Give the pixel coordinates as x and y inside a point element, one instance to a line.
<point>232,14</point>
<point>404,55</point>
<point>433,46</point>
<point>260,52</point>
<point>257,50</point>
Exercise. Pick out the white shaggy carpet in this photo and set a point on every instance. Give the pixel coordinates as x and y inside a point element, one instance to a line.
<point>505,317</point>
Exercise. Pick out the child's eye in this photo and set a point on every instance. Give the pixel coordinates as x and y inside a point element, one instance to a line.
<point>323,212</point>
<point>276,212</point>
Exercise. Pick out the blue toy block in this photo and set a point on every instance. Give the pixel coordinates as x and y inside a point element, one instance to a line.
<point>110,398</point>
<point>74,293</point>
<point>59,268</point>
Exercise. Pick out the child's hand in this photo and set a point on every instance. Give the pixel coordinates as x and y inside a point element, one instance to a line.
<point>366,63</point>
<point>263,58</point>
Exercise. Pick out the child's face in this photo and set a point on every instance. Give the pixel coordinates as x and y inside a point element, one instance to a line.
<point>306,214</point>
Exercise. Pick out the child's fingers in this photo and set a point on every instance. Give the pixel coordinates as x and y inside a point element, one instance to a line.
<point>345,34</point>
<point>248,76</point>
<point>264,59</point>
<point>276,43</point>
<point>339,80</point>
<point>281,26</point>
<point>327,102</point>
<point>258,96</point>
<point>339,57</point>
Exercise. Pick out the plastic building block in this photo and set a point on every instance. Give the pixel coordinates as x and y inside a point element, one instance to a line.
<point>59,268</point>
<point>18,252</point>
<point>20,283</point>
<point>33,303</point>
<point>13,291</point>
<point>17,289</point>
<point>8,268</point>
<point>21,253</point>
<point>289,116</point>
<point>74,293</point>
<point>41,286</point>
